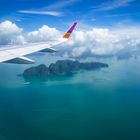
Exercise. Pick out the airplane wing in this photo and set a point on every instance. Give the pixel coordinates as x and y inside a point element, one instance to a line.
<point>15,54</point>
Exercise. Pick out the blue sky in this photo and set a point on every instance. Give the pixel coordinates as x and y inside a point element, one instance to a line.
<point>31,14</point>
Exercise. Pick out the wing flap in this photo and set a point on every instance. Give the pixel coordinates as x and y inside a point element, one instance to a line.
<point>49,50</point>
<point>20,60</point>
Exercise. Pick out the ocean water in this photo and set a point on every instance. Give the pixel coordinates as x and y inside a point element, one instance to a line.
<point>89,105</point>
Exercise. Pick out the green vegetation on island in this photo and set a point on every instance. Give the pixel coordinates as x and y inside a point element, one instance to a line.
<point>62,67</point>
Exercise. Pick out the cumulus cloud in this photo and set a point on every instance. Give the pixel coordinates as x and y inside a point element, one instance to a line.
<point>9,32</point>
<point>45,33</point>
<point>103,41</point>
<point>19,40</point>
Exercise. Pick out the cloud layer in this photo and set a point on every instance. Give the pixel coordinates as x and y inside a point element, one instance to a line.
<point>96,41</point>
<point>103,41</point>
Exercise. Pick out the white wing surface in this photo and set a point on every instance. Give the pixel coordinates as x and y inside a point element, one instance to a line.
<point>15,54</point>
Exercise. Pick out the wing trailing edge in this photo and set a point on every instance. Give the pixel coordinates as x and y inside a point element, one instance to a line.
<point>49,50</point>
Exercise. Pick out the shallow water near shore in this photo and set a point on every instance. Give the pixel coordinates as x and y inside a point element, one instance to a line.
<point>100,104</point>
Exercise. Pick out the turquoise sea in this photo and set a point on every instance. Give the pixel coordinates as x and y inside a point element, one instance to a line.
<point>89,105</point>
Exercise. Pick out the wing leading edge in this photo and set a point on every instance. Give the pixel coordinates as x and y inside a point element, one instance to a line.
<point>15,54</point>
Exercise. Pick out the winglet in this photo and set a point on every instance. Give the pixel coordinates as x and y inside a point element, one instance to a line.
<point>69,32</point>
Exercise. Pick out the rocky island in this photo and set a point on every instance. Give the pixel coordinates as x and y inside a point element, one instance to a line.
<point>62,67</point>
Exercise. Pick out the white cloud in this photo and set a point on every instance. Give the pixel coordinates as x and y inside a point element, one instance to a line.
<point>7,27</point>
<point>9,32</point>
<point>112,5</point>
<point>61,4</point>
<point>45,33</point>
<point>51,13</point>
<point>103,41</point>
<point>19,40</point>
<point>51,10</point>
